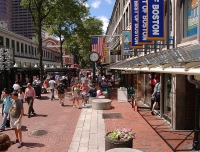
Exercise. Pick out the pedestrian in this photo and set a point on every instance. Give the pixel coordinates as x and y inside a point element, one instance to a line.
<point>15,114</point>
<point>83,90</point>
<point>92,91</point>
<point>61,88</point>
<point>29,97</point>
<point>16,86</point>
<point>156,95</point>
<point>83,79</point>
<point>21,95</point>
<point>5,142</point>
<point>7,103</point>
<point>75,94</point>
<point>52,85</point>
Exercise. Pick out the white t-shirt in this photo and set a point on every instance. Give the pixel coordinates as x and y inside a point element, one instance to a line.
<point>51,84</point>
<point>83,80</point>
<point>16,86</point>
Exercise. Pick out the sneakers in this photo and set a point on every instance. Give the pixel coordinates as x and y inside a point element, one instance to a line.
<point>1,130</point>
<point>152,113</point>
<point>83,105</point>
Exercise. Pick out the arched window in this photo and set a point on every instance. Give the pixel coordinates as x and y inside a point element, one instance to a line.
<point>190,17</point>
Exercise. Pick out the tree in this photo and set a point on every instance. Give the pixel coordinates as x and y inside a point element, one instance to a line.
<point>64,26</point>
<point>80,44</point>
<point>39,10</point>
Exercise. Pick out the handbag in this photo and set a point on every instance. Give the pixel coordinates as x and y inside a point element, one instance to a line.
<point>83,93</point>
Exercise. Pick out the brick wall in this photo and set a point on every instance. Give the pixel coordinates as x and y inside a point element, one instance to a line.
<point>189,105</point>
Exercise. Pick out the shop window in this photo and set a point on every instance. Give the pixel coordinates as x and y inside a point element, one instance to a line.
<point>190,18</point>
<point>168,95</point>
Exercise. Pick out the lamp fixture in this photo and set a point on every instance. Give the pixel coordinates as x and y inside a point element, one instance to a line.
<point>16,65</point>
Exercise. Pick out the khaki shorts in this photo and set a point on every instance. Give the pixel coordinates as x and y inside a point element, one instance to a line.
<point>61,96</point>
<point>15,125</point>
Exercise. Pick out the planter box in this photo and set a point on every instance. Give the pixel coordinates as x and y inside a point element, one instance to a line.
<point>110,144</point>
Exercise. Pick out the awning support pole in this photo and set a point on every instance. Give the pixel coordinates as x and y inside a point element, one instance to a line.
<point>197,99</point>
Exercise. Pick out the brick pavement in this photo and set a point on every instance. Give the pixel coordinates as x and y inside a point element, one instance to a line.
<point>60,123</point>
<point>153,133</point>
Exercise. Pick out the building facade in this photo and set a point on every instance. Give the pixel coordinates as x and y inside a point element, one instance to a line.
<point>172,66</point>
<point>5,13</point>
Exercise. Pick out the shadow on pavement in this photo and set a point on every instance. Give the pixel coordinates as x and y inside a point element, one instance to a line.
<point>32,145</point>
<point>177,140</point>
<point>24,128</point>
<point>44,98</point>
<point>39,115</point>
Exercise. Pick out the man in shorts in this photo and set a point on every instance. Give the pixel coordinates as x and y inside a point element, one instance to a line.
<point>61,88</point>
<point>15,114</point>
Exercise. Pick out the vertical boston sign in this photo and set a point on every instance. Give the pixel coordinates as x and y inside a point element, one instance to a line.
<point>155,17</point>
<point>134,36</point>
<point>142,38</point>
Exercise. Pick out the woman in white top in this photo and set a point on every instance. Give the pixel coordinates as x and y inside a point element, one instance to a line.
<point>21,95</point>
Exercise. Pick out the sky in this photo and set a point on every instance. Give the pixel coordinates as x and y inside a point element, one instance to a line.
<point>101,9</point>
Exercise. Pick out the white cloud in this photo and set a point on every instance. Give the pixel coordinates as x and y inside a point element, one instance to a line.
<point>105,22</point>
<point>86,4</point>
<point>96,3</point>
<point>109,1</point>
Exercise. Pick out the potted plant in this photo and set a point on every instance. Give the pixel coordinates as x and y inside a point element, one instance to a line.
<point>122,138</point>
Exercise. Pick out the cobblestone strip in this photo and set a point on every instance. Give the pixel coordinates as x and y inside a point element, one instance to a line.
<point>89,133</point>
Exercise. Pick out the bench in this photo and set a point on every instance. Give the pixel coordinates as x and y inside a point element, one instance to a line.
<point>101,104</point>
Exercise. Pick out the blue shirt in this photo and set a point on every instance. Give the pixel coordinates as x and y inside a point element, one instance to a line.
<point>7,104</point>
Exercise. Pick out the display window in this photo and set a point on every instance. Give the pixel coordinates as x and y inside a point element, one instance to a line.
<point>168,95</point>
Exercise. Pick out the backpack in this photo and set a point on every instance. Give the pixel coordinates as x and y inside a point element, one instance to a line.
<point>93,93</point>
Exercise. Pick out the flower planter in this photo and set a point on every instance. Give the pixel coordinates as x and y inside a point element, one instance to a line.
<point>110,144</point>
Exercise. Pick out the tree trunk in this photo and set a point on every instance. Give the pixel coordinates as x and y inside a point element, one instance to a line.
<point>61,53</point>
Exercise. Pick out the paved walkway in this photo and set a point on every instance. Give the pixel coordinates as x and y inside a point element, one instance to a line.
<point>62,129</point>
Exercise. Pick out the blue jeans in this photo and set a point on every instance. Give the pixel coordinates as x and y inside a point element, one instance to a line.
<point>5,115</point>
<point>52,94</point>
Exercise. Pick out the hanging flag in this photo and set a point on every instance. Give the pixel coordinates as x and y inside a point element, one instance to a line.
<point>97,45</point>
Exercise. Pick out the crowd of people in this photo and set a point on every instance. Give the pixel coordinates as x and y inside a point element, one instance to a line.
<point>81,89</point>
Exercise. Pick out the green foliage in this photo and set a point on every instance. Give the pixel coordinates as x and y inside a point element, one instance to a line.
<point>122,134</point>
<point>79,44</point>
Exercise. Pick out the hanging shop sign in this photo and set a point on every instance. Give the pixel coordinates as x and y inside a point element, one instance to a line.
<point>134,25</point>
<point>155,20</point>
<point>106,54</point>
<point>142,36</point>
<point>115,52</point>
<point>126,43</point>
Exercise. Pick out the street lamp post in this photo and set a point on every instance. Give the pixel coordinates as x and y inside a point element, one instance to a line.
<point>5,64</point>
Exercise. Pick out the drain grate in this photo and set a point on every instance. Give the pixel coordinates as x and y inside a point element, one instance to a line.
<point>112,115</point>
<point>39,132</point>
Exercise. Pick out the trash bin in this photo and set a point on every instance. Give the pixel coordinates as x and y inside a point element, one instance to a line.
<point>37,90</point>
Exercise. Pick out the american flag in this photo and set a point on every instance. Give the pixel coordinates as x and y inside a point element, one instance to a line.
<point>97,45</point>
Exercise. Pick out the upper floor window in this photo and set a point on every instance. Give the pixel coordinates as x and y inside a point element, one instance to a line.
<point>22,48</point>
<point>190,18</point>
<point>1,40</point>
<point>26,48</point>
<point>17,46</point>
<point>7,43</point>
